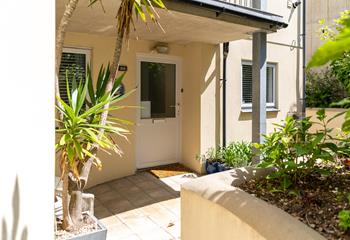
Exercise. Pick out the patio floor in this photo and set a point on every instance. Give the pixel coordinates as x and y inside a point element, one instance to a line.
<point>140,206</point>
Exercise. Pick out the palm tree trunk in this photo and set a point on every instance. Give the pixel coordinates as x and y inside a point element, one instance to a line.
<point>85,171</point>
<point>60,35</point>
<point>67,221</point>
<point>76,189</point>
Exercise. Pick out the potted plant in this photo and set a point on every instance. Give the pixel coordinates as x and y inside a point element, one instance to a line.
<point>79,133</point>
<point>236,154</point>
<point>213,161</point>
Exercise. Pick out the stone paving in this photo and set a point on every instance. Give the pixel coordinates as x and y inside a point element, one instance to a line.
<point>140,206</point>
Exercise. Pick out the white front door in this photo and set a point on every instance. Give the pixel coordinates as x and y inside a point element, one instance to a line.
<point>158,130</point>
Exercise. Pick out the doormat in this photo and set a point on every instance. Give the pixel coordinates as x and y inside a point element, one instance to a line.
<point>168,170</point>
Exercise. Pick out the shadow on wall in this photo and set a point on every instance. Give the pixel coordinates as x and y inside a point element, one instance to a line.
<point>16,214</point>
<point>211,75</point>
<point>247,116</point>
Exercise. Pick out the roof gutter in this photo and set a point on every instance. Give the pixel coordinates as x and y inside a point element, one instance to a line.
<point>275,21</point>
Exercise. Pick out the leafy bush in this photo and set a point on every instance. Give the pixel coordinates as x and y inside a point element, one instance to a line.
<point>236,154</point>
<point>213,155</point>
<point>340,68</point>
<point>323,89</point>
<point>344,219</point>
<point>293,150</point>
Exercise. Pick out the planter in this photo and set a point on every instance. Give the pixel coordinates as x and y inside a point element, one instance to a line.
<point>237,214</point>
<point>215,167</point>
<point>98,234</point>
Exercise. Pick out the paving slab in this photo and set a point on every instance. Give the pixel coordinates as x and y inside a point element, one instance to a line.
<point>140,207</point>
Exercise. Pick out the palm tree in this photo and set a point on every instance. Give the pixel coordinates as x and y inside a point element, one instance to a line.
<point>125,20</point>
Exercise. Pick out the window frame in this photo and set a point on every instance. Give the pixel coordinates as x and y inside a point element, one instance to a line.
<point>85,51</point>
<point>75,50</point>
<point>274,80</point>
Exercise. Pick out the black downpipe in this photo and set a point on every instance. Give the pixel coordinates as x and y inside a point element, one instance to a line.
<point>226,46</point>
<point>303,106</point>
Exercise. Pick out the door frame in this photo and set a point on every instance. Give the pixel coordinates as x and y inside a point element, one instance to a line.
<point>161,58</point>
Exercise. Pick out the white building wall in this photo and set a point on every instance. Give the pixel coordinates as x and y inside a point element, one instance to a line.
<point>27,119</point>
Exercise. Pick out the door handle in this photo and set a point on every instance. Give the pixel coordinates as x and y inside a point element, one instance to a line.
<point>174,106</point>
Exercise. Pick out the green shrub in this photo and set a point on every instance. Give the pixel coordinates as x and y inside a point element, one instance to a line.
<point>293,150</point>
<point>340,68</point>
<point>213,155</point>
<point>344,219</point>
<point>323,89</point>
<point>237,154</point>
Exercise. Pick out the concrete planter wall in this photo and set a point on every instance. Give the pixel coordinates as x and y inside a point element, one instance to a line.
<point>100,234</point>
<point>212,207</point>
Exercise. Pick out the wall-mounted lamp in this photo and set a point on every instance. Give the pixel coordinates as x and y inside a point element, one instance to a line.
<point>162,48</point>
<point>293,4</point>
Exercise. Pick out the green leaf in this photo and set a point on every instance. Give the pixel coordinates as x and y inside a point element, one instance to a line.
<point>66,109</point>
<point>159,3</point>
<point>332,49</point>
<point>139,11</point>
<point>70,154</point>
<point>329,51</point>
<point>90,85</point>
<point>321,114</point>
<point>117,83</point>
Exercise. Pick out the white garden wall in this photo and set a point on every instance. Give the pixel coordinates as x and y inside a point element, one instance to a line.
<point>27,119</point>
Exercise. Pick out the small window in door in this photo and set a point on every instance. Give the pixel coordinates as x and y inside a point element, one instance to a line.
<point>158,90</point>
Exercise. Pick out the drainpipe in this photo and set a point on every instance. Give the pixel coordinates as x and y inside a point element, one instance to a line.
<point>303,99</point>
<point>225,49</point>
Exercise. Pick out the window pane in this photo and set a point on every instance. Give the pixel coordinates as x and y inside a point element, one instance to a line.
<point>158,90</point>
<point>75,64</point>
<point>247,84</point>
<point>269,85</point>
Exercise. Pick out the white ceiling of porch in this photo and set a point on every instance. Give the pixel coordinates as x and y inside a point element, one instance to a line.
<point>179,27</point>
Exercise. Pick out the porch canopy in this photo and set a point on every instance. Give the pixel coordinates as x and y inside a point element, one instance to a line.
<point>207,21</point>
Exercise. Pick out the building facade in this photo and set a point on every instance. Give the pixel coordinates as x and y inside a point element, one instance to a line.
<point>178,76</point>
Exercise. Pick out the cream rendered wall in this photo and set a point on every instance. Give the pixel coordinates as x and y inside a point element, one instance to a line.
<point>282,50</point>
<point>201,102</point>
<point>335,124</point>
<point>196,60</point>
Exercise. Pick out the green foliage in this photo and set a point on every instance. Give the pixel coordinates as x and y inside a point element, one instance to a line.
<point>344,219</point>
<point>337,44</point>
<point>330,32</point>
<point>340,68</point>
<point>236,154</point>
<point>293,150</point>
<point>80,131</point>
<point>213,155</point>
<point>323,89</point>
<point>95,95</point>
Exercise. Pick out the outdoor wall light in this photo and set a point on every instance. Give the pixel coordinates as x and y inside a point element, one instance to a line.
<point>293,4</point>
<point>162,48</point>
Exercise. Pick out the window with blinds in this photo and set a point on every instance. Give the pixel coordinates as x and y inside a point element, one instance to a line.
<point>247,84</point>
<point>74,62</point>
